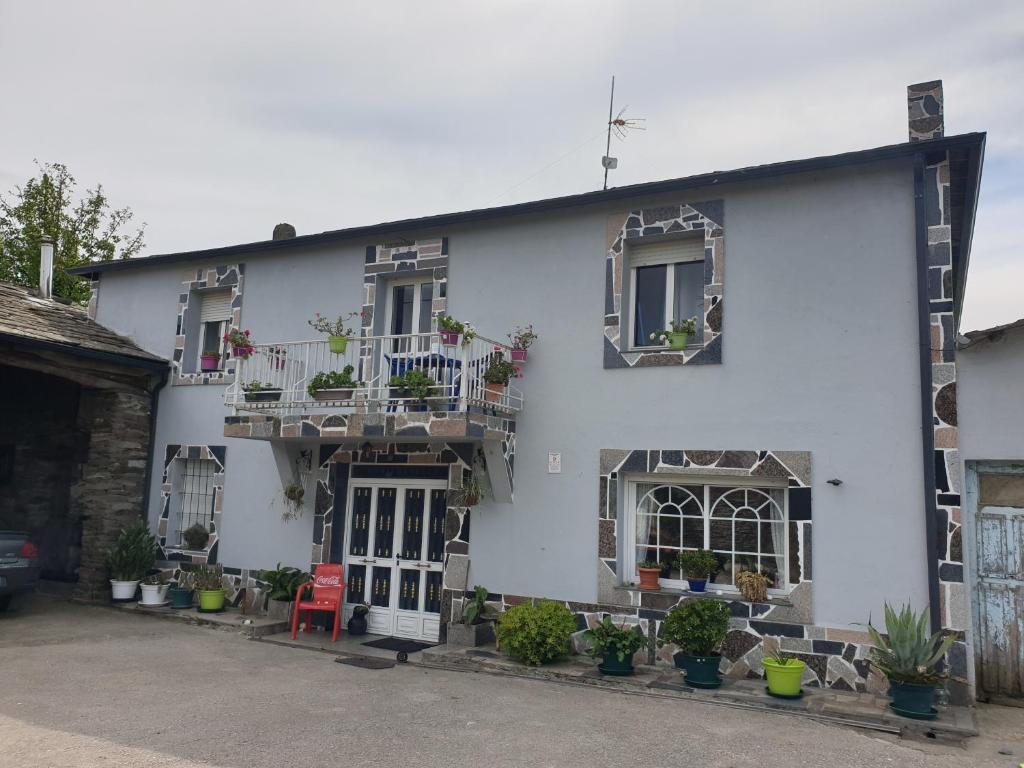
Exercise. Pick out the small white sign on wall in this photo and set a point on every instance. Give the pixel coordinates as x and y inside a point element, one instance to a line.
<point>554,463</point>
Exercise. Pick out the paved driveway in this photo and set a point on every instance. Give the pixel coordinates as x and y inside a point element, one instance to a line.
<point>83,686</point>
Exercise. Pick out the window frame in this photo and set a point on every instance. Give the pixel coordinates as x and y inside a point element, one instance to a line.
<point>221,347</point>
<point>628,544</point>
<point>633,264</point>
<point>389,304</point>
<point>183,493</point>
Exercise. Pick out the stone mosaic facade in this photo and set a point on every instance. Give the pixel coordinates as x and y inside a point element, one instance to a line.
<point>401,260</point>
<point>633,228</point>
<point>165,536</point>
<point>225,276</point>
<point>924,110</point>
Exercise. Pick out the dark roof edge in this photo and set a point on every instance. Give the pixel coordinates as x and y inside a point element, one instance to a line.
<point>752,173</point>
<point>127,361</point>
<point>974,165</point>
<point>996,332</point>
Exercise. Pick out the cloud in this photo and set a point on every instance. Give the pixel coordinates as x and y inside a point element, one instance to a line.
<point>214,121</point>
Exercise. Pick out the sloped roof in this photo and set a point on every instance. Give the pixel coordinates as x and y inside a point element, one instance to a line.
<point>996,332</point>
<point>27,319</point>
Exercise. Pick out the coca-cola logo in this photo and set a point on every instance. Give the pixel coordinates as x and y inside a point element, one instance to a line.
<point>328,581</point>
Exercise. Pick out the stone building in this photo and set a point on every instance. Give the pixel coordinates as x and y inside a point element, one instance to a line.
<point>76,411</point>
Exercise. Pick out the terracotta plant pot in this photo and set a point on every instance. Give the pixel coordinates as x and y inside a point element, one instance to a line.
<point>493,393</point>
<point>649,578</point>
<point>337,344</point>
<point>209,363</point>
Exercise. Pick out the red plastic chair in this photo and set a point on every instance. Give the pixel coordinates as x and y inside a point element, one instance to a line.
<point>328,587</point>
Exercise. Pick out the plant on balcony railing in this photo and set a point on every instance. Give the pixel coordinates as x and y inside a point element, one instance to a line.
<point>240,343</point>
<point>332,385</point>
<point>417,385</point>
<point>521,339</point>
<point>451,329</point>
<point>261,392</point>
<point>337,330</point>
<point>498,373</point>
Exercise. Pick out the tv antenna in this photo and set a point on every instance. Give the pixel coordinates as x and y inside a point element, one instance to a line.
<point>620,126</point>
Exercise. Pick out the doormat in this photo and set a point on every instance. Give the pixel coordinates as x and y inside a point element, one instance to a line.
<point>365,662</point>
<point>398,644</point>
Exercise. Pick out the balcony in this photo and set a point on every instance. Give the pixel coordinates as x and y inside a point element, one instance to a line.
<point>456,403</point>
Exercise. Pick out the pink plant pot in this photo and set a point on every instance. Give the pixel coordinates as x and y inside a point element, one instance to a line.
<point>519,355</point>
<point>449,338</point>
<point>209,363</point>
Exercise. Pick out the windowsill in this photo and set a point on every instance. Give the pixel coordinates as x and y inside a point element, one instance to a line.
<point>185,551</point>
<point>649,350</point>
<point>724,595</point>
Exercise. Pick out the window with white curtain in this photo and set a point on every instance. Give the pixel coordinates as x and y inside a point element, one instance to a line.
<point>744,525</point>
<point>666,285</point>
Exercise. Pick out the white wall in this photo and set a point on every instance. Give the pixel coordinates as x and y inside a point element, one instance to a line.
<point>820,355</point>
<point>990,399</point>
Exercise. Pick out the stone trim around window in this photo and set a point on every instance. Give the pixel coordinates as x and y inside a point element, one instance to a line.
<point>394,260</point>
<point>173,552</point>
<point>224,276</point>
<point>636,227</point>
<point>793,466</point>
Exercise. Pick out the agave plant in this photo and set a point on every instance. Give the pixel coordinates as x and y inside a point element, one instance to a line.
<point>907,653</point>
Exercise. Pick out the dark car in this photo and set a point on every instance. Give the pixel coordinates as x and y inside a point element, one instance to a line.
<point>19,565</point>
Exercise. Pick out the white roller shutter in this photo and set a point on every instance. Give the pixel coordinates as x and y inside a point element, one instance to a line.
<point>215,306</point>
<point>667,252</point>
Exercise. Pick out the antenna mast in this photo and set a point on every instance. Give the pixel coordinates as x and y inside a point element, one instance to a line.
<point>620,126</point>
<point>606,161</point>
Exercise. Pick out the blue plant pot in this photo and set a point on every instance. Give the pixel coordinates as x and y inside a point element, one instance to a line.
<point>697,585</point>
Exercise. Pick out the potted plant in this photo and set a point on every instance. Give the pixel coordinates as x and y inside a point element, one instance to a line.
<point>240,343</point>
<point>477,626</point>
<point>468,495</point>
<point>696,566</point>
<point>450,329</point>
<point>209,583</point>
<point>416,384</point>
<point>337,330</point>
<point>282,586</point>
<point>130,559</point>
<point>209,362</point>
<point>678,334</point>
<point>783,673</point>
<point>909,656</point>
<point>521,339</point>
<point>261,392</point>
<point>180,593</point>
<point>753,586</point>
<point>650,572</point>
<point>332,385</point>
<point>615,646</point>
<point>196,536</point>
<point>698,627</point>
<point>536,634</point>
<point>357,624</point>
<point>496,377</point>
<point>154,589</point>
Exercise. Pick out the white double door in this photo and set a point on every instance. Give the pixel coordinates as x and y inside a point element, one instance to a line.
<point>394,555</point>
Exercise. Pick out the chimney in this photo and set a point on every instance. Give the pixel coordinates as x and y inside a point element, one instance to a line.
<point>924,111</point>
<point>283,232</point>
<point>46,267</point>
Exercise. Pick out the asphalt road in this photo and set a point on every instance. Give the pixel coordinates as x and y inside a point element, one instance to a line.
<point>84,687</point>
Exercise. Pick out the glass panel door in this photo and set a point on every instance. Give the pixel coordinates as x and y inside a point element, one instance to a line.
<point>420,563</point>
<point>371,556</point>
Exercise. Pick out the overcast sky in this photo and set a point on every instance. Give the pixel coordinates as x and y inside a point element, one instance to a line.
<point>216,120</point>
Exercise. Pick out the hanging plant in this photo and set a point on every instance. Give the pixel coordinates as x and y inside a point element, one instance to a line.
<point>293,494</point>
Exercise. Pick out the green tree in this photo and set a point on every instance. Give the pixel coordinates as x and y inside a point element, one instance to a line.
<point>85,229</point>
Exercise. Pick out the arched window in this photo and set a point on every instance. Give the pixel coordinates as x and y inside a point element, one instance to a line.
<point>747,533</point>
<point>668,518</point>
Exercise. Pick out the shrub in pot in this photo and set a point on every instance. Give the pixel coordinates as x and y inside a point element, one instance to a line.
<point>196,536</point>
<point>909,656</point>
<point>498,373</point>
<point>650,572</point>
<point>180,593</point>
<point>696,566</point>
<point>783,673</point>
<point>154,589</point>
<point>615,646</point>
<point>357,624</point>
<point>209,583</point>
<point>536,634</point>
<point>698,627</point>
<point>131,558</point>
<point>477,627</point>
<point>282,586</point>
<point>521,339</point>
<point>333,385</point>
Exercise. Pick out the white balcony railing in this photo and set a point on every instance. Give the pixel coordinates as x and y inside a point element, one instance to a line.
<point>285,371</point>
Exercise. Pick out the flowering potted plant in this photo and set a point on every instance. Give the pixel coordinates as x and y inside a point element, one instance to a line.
<point>678,334</point>
<point>332,385</point>
<point>338,332</point>
<point>240,343</point>
<point>261,392</point>
<point>697,566</point>
<point>450,329</point>
<point>521,340</point>
<point>496,377</point>
<point>650,572</point>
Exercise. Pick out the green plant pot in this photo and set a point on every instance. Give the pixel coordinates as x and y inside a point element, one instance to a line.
<point>913,700</point>
<point>180,598</point>
<point>784,680</point>
<point>211,601</point>
<point>337,344</point>
<point>702,671</point>
<point>611,665</point>
<point>678,341</point>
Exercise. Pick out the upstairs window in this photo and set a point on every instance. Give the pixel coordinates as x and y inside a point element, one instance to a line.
<point>666,285</point>
<point>214,319</point>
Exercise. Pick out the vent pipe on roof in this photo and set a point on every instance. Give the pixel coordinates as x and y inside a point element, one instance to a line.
<point>924,111</point>
<point>283,232</point>
<point>46,267</point>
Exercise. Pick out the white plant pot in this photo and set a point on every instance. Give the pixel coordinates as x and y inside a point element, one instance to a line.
<point>123,590</point>
<point>154,594</point>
